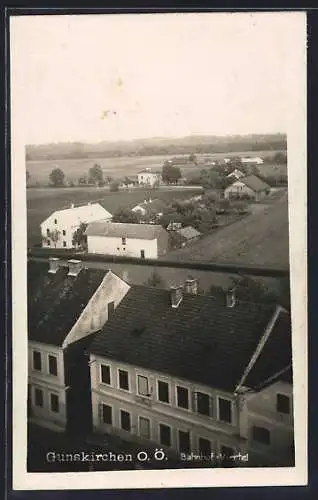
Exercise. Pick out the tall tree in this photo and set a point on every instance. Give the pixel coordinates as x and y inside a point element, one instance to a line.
<point>155,280</point>
<point>125,215</point>
<point>95,175</point>
<point>57,177</point>
<point>79,237</point>
<point>171,174</point>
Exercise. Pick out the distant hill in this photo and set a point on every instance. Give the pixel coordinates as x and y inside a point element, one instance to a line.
<point>157,146</point>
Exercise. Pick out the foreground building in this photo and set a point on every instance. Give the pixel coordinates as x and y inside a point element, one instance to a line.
<point>143,241</point>
<point>196,374</point>
<point>67,303</point>
<point>251,186</point>
<point>58,229</point>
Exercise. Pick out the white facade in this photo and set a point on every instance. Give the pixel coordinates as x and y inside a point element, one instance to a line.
<point>239,188</point>
<point>121,246</point>
<point>149,178</point>
<point>58,229</point>
<point>256,160</point>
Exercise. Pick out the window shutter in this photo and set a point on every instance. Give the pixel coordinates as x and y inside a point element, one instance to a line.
<point>151,386</point>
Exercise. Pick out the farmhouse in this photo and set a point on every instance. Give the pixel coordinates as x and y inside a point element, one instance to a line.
<point>145,241</point>
<point>188,235</point>
<point>67,303</point>
<point>236,174</point>
<point>255,160</point>
<point>150,207</point>
<point>58,229</point>
<point>149,178</point>
<point>251,186</point>
<point>196,374</point>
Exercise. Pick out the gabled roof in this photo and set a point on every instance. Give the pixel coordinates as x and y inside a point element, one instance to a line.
<point>123,230</point>
<point>151,206</point>
<point>55,301</point>
<point>254,183</point>
<point>83,213</point>
<point>188,232</point>
<point>275,358</point>
<point>154,172</point>
<point>201,341</point>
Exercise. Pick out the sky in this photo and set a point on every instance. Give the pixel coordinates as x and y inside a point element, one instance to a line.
<point>119,77</point>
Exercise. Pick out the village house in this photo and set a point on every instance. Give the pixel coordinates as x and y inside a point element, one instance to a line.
<point>187,235</point>
<point>195,374</point>
<point>236,174</point>
<point>251,186</point>
<point>145,241</point>
<point>149,208</point>
<point>150,178</point>
<point>58,229</point>
<point>255,160</point>
<point>67,303</point>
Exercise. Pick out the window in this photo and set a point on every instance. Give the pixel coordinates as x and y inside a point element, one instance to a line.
<point>47,231</point>
<point>143,386</point>
<point>55,221</point>
<point>144,427</point>
<point>38,397</point>
<point>203,403</point>
<point>261,435</point>
<point>48,243</point>
<point>54,403</point>
<point>52,365</point>
<point>163,391</point>
<point>110,308</point>
<point>182,397</point>
<point>142,254</point>
<point>225,410</point>
<point>204,446</point>
<point>123,241</point>
<point>37,361</point>
<point>123,380</point>
<point>226,451</point>
<point>105,374</point>
<point>64,243</point>
<point>64,232</point>
<point>282,404</point>
<point>184,441</point>
<point>165,435</point>
<point>125,420</point>
<point>107,413</point>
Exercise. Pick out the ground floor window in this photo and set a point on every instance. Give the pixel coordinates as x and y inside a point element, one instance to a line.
<point>107,413</point>
<point>38,397</point>
<point>165,434</point>
<point>144,427</point>
<point>125,420</point>
<point>54,403</point>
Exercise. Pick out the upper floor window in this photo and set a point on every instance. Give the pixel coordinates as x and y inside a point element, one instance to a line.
<point>261,435</point>
<point>123,379</point>
<point>37,361</point>
<point>47,231</point>
<point>143,386</point>
<point>163,391</point>
<point>123,241</point>
<point>55,221</point>
<point>282,403</point>
<point>225,410</point>
<point>182,397</point>
<point>204,403</point>
<point>64,232</point>
<point>110,308</point>
<point>52,365</point>
<point>105,374</point>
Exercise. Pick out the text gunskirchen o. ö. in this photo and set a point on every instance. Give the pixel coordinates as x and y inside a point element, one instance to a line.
<point>109,456</point>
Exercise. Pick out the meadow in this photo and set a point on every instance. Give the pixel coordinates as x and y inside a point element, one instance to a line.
<point>41,202</point>
<point>130,166</point>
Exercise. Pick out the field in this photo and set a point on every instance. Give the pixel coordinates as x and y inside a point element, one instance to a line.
<point>129,166</point>
<point>41,202</point>
<point>259,239</point>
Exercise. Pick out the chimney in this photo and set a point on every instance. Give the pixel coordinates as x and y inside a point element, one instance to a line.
<point>74,267</point>
<point>230,297</point>
<point>191,286</point>
<point>54,264</point>
<point>176,296</point>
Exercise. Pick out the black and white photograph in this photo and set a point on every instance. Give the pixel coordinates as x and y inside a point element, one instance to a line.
<point>158,167</point>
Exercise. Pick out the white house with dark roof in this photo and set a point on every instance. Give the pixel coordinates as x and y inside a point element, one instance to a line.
<point>236,174</point>
<point>67,304</point>
<point>58,229</point>
<point>251,186</point>
<point>150,178</point>
<point>145,241</point>
<point>196,375</point>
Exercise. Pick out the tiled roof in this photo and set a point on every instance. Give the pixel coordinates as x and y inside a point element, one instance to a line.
<point>275,356</point>
<point>189,232</point>
<point>123,230</point>
<point>55,301</point>
<point>201,341</point>
<point>83,213</point>
<point>255,183</point>
<point>154,172</point>
<point>152,206</point>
